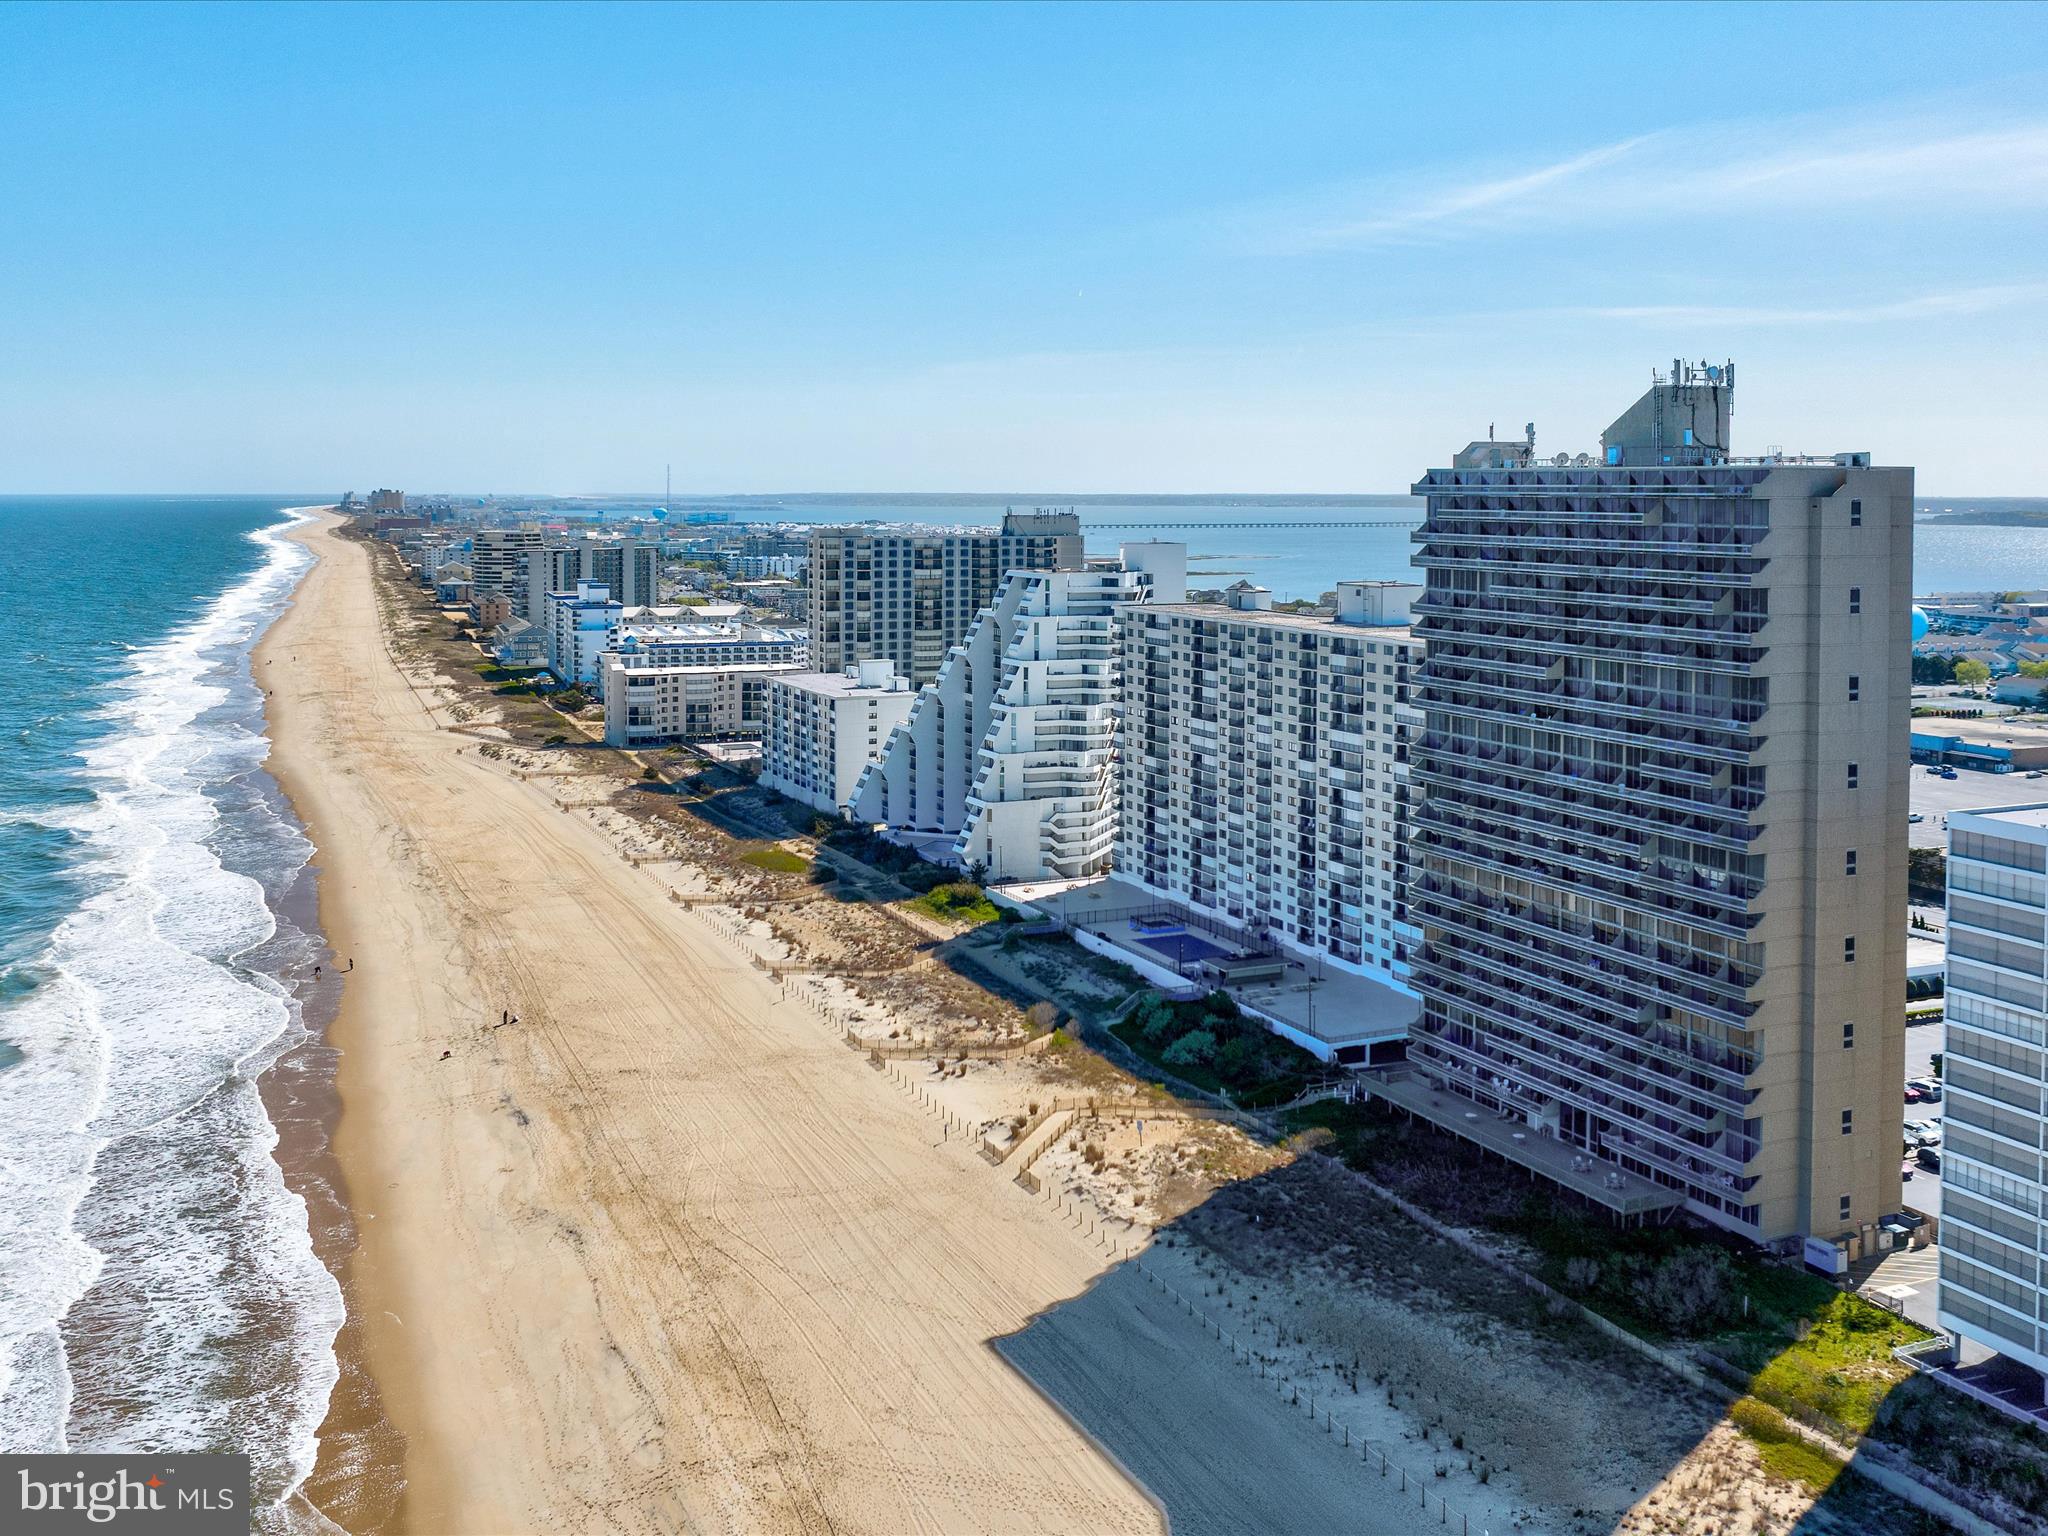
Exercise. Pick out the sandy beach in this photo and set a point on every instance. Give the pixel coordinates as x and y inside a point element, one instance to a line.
<point>660,1255</point>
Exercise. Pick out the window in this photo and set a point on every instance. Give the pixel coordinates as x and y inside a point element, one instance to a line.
<point>1848,1036</point>
<point>1855,687</point>
<point>1855,514</point>
<point>1849,862</point>
<point>1845,1207</point>
<point>1849,950</point>
<point>1848,1122</point>
<point>1855,599</point>
<point>1852,775</point>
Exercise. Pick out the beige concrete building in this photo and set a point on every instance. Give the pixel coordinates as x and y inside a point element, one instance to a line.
<point>912,595</point>
<point>501,561</point>
<point>1658,864</point>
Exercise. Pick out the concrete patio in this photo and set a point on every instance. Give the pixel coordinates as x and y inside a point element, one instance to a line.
<point>1335,1014</point>
<point>1626,1194</point>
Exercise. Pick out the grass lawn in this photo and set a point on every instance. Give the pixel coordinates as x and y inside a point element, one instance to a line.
<point>780,860</point>
<point>957,901</point>
<point>1784,1453</point>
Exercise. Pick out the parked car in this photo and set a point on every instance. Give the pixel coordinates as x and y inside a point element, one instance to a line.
<point>1929,1088</point>
<point>1945,773</point>
<point>1914,1095</point>
<point>1915,816</point>
<point>1906,1170</point>
<point>1929,1159</point>
<point>2034,773</point>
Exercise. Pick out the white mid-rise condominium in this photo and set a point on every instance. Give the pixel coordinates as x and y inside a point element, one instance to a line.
<point>1264,767</point>
<point>911,595</point>
<point>1994,1078</point>
<point>1006,762</point>
<point>824,728</point>
<point>647,703</point>
<point>581,626</point>
<point>1658,861</point>
<point>576,627</point>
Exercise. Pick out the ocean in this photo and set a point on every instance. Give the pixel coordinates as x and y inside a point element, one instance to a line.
<point>159,1287</point>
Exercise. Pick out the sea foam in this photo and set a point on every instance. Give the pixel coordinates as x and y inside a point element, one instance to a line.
<point>158,1283</point>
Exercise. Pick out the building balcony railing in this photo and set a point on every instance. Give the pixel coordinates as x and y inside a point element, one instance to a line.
<point>1717,990</point>
<point>1582,1083</point>
<point>1430,556</point>
<point>1688,739</point>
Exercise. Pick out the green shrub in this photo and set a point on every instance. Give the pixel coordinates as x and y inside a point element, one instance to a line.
<point>1196,1048</point>
<point>957,901</point>
<point>1155,1019</point>
<point>1784,1452</point>
<point>1238,1057</point>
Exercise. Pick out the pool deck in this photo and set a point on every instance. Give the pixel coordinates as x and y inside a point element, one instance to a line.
<point>1317,1004</point>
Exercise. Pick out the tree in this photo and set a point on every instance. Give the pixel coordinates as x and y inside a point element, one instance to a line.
<point>1933,669</point>
<point>1193,1049</point>
<point>2034,669</point>
<point>1927,870</point>
<point>1972,673</point>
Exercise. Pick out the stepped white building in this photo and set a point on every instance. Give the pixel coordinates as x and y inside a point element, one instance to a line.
<point>1006,763</point>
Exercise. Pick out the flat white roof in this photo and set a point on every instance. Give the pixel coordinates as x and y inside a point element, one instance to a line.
<point>2031,816</point>
<point>839,685</point>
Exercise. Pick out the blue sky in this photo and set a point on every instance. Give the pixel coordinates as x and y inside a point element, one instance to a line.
<point>1007,248</point>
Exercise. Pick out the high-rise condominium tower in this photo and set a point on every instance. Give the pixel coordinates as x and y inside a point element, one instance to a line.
<point>1659,866</point>
<point>627,568</point>
<point>1994,1076</point>
<point>910,596</point>
<point>1264,767</point>
<point>501,562</point>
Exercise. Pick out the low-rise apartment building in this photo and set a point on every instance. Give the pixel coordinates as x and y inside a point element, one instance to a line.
<point>824,728</point>
<point>649,703</point>
<point>1264,771</point>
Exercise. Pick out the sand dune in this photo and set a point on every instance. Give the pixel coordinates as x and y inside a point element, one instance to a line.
<point>663,1255</point>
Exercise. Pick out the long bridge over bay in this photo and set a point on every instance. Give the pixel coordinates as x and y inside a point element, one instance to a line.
<point>1413,522</point>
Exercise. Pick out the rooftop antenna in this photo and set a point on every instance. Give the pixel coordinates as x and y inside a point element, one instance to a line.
<point>666,492</point>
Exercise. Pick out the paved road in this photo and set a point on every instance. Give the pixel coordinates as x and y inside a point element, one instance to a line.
<point>1130,1367</point>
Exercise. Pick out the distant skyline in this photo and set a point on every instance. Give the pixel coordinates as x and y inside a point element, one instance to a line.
<point>1111,249</point>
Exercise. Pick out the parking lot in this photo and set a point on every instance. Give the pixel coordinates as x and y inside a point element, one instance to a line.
<point>1923,1041</point>
<point>1971,789</point>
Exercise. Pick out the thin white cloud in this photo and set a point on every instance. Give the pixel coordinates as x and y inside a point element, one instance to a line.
<point>1916,165</point>
<point>1465,202</point>
<point>1965,301</point>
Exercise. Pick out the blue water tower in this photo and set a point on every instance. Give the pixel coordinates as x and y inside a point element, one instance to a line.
<point>1921,624</point>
